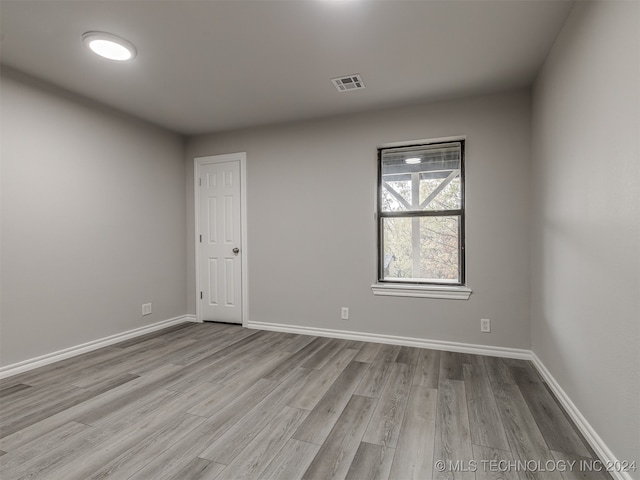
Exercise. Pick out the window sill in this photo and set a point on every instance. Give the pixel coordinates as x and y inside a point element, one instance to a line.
<point>422,291</point>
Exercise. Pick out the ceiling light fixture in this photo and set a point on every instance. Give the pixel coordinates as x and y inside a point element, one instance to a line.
<point>109,46</point>
<point>412,160</point>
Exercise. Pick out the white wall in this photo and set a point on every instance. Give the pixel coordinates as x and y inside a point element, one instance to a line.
<point>586,211</point>
<point>312,234</point>
<point>93,221</point>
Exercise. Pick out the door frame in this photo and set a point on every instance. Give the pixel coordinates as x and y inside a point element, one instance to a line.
<point>240,157</point>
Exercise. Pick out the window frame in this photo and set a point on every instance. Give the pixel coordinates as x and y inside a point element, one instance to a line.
<point>460,213</point>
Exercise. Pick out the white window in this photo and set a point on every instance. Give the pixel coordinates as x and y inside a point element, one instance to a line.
<point>421,214</point>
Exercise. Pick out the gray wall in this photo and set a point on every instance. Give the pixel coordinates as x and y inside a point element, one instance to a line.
<point>312,234</point>
<point>586,206</point>
<point>93,222</point>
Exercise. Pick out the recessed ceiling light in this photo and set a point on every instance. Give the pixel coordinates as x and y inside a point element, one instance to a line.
<point>109,46</point>
<point>412,161</point>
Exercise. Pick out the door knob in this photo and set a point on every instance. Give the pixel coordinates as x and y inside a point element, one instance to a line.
<point>236,251</point>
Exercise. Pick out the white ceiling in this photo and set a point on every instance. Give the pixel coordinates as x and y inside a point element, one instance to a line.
<point>206,66</point>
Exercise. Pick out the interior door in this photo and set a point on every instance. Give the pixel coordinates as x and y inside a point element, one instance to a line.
<point>220,240</point>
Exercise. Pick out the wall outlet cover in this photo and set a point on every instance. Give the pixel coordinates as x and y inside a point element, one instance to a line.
<point>485,325</point>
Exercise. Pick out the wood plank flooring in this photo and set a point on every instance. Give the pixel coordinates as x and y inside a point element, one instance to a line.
<point>214,401</point>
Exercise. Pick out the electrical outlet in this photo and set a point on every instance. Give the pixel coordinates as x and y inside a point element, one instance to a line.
<point>485,325</point>
<point>345,313</point>
<point>146,309</point>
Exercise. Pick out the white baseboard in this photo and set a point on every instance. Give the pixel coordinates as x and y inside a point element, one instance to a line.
<point>598,445</point>
<point>32,363</point>
<point>396,340</point>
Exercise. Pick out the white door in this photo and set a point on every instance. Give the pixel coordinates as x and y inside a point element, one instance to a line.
<point>219,238</point>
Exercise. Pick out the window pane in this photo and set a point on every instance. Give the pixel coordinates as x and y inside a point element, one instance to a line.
<point>440,193</point>
<point>396,196</point>
<point>421,249</point>
<point>421,178</point>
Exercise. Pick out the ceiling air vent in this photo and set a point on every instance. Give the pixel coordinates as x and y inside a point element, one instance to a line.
<point>350,82</point>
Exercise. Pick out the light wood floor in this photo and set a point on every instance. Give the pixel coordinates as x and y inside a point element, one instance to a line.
<point>204,401</point>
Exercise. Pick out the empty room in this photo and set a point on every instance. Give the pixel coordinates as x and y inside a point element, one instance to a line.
<point>320,239</point>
